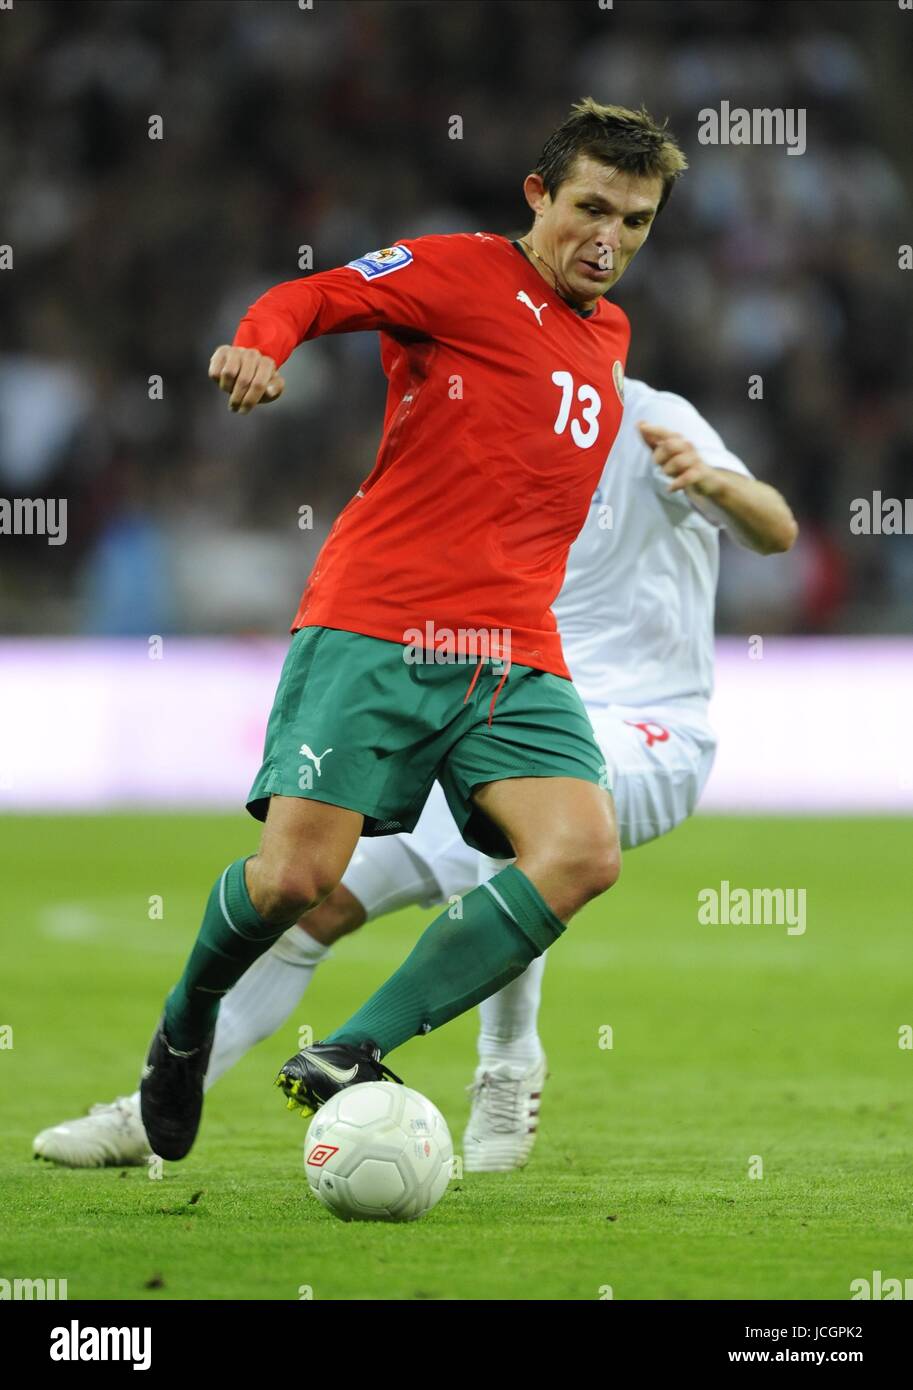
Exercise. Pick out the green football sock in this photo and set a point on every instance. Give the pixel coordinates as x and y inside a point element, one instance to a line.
<point>458,962</point>
<point>231,938</point>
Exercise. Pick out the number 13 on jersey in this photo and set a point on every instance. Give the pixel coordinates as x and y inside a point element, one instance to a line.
<point>591,405</point>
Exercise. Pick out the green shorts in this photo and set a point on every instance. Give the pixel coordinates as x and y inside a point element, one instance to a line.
<point>354,723</point>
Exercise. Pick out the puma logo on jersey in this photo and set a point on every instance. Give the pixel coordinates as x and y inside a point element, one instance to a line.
<point>334,1073</point>
<point>316,758</point>
<point>537,310</point>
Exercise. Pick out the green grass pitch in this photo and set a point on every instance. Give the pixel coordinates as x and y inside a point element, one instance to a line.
<point>729,1042</point>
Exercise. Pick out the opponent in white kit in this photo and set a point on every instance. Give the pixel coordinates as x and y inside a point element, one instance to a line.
<point>636,621</point>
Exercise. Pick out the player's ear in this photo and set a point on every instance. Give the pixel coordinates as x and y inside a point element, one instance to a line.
<point>535,194</point>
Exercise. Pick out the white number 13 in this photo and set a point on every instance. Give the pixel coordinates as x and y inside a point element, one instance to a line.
<point>589,399</point>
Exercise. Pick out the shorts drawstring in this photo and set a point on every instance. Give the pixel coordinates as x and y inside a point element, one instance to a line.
<point>472,686</point>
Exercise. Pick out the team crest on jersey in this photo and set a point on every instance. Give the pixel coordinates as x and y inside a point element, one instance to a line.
<point>618,376</point>
<point>384,262</point>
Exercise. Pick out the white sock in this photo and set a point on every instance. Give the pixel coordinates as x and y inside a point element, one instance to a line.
<point>509,1020</point>
<point>263,998</point>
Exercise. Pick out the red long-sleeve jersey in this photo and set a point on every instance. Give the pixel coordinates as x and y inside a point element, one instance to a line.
<point>502,405</point>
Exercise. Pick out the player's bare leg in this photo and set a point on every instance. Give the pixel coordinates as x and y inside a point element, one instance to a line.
<point>303,854</point>
<point>564,833</point>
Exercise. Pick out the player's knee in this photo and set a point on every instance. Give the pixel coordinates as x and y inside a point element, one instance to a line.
<point>286,891</point>
<point>573,870</point>
<point>607,868</point>
<point>591,868</point>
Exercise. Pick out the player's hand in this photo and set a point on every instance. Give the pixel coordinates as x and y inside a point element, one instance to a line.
<point>679,460</point>
<point>249,377</point>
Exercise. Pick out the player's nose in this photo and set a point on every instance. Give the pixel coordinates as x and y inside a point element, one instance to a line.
<point>610,235</point>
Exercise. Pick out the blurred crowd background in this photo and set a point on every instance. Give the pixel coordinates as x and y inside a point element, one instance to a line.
<point>328,127</point>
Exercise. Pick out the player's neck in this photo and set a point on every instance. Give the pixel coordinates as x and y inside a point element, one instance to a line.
<point>550,277</point>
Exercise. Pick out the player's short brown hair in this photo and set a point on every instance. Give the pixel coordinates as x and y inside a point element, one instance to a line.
<point>628,140</point>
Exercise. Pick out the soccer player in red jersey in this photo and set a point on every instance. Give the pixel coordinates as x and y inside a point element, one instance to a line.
<point>424,646</point>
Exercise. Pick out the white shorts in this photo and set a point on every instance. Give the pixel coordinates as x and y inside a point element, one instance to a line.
<point>659,758</point>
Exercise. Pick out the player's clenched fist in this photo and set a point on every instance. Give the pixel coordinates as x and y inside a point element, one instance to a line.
<point>249,376</point>
<point>679,460</point>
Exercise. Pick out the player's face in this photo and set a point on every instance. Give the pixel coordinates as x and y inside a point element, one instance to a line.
<point>595,225</point>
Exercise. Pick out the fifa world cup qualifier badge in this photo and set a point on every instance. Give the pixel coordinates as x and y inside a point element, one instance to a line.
<point>618,376</point>
<point>376,263</point>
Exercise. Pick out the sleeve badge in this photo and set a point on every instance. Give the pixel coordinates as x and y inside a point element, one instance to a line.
<point>376,263</point>
<point>618,376</point>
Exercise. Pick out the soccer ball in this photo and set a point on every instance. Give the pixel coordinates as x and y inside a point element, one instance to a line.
<point>378,1152</point>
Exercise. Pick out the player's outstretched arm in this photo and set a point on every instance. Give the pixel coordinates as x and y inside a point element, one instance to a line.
<point>249,377</point>
<point>754,513</point>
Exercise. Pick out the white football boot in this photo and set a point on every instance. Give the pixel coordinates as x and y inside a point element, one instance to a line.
<point>110,1136</point>
<point>501,1130</point>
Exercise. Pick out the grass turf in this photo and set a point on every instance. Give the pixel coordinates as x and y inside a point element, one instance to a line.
<point>729,1042</point>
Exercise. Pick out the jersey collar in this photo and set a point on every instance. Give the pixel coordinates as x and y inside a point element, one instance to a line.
<point>581,313</point>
